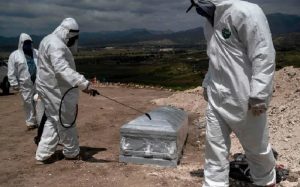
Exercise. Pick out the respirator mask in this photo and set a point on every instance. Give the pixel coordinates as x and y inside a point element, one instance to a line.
<point>72,42</point>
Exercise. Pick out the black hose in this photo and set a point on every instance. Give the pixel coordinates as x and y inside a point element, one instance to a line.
<point>148,115</point>
<point>94,93</point>
<point>59,111</point>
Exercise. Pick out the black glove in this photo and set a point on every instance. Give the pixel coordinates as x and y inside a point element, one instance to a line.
<point>91,91</point>
<point>94,92</point>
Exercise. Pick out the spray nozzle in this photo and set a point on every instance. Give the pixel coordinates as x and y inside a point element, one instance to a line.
<point>148,115</point>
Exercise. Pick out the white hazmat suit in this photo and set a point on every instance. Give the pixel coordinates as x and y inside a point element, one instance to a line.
<point>241,70</point>
<point>56,74</point>
<point>19,77</point>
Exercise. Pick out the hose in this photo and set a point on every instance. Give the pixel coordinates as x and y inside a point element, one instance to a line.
<point>94,93</point>
<point>59,111</point>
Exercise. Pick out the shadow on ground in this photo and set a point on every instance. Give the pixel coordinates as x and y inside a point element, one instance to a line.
<point>2,94</point>
<point>88,153</point>
<point>197,173</point>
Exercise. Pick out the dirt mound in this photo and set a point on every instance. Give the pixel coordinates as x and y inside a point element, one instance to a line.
<point>189,100</point>
<point>284,117</point>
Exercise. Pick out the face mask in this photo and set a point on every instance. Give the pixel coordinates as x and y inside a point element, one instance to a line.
<point>73,44</point>
<point>74,47</point>
<point>27,48</point>
<point>204,8</point>
<point>72,41</point>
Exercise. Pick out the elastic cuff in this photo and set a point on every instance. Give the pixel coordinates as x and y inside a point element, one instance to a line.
<point>254,101</point>
<point>28,124</point>
<point>84,85</point>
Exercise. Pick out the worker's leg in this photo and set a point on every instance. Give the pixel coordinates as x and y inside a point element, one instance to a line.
<point>254,137</point>
<point>69,139</point>
<point>29,109</point>
<point>217,148</point>
<point>49,141</point>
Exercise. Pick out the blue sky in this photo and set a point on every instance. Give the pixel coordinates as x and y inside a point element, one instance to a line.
<point>42,16</point>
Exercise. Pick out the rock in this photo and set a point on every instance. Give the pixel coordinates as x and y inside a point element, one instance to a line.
<point>154,174</point>
<point>295,170</point>
<point>288,184</point>
<point>292,74</point>
<point>293,177</point>
<point>282,108</point>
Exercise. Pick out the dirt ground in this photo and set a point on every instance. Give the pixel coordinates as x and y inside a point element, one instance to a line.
<point>98,123</point>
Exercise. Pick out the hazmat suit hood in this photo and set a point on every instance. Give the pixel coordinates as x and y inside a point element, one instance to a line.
<point>66,30</point>
<point>218,2</point>
<point>215,2</point>
<point>22,39</point>
<point>211,9</point>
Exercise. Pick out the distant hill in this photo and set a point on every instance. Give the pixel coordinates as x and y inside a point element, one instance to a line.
<point>142,36</point>
<point>282,25</point>
<point>289,41</point>
<point>117,37</point>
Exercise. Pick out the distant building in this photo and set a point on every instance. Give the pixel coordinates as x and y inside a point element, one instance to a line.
<point>109,48</point>
<point>166,50</point>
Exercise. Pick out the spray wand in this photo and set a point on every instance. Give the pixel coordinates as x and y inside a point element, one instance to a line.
<point>148,115</point>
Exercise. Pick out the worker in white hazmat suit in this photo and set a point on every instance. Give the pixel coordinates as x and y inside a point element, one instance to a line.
<point>22,74</point>
<point>238,88</point>
<point>56,74</point>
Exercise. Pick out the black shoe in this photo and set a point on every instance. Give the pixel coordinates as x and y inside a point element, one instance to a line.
<point>78,157</point>
<point>49,160</point>
<point>31,127</point>
<point>53,158</point>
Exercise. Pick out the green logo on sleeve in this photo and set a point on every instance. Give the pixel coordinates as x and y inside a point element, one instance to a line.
<point>226,33</point>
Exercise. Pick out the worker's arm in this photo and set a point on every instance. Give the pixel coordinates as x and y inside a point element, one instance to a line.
<point>254,33</point>
<point>63,69</point>
<point>206,30</point>
<point>206,79</point>
<point>205,84</point>
<point>12,72</point>
<point>35,54</point>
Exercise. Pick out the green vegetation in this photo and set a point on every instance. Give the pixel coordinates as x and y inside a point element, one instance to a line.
<point>175,69</point>
<point>4,55</point>
<point>288,58</point>
<point>179,69</point>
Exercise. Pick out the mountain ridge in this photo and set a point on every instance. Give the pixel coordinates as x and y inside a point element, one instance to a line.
<point>280,24</point>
